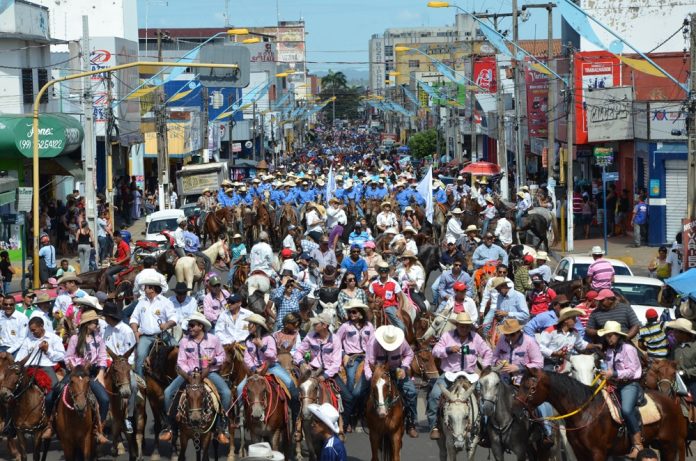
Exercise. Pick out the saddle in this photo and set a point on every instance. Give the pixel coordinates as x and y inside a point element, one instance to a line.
<point>273,381</point>
<point>121,275</point>
<point>260,272</point>
<point>648,410</point>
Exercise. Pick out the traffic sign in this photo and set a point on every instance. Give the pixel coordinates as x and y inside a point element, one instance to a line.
<point>611,176</point>
<point>225,54</point>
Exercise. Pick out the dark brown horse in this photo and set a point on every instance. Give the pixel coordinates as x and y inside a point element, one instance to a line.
<point>287,217</point>
<point>661,375</point>
<point>117,383</point>
<point>266,412</point>
<point>76,416</point>
<point>592,432</point>
<point>24,403</point>
<point>263,220</point>
<point>196,415</point>
<point>240,276</point>
<point>160,371</point>
<point>92,280</point>
<point>217,222</point>
<point>385,416</point>
<point>233,371</point>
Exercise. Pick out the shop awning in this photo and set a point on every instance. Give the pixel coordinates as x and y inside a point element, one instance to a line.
<point>672,148</point>
<point>58,134</point>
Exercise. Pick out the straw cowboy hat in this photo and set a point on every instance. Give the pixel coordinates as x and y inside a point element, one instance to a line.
<point>200,318</point>
<point>542,255</point>
<point>520,194</point>
<point>409,254</point>
<point>462,319</point>
<point>334,200</point>
<point>69,277</point>
<point>383,265</point>
<point>471,228</point>
<point>256,319</point>
<point>385,204</point>
<point>89,316</point>
<point>457,211</point>
<point>355,304</point>
<point>596,250</point>
<point>681,324</point>
<point>391,230</point>
<point>389,337</point>
<point>490,200</point>
<point>483,180</point>
<point>408,208</point>
<point>90,301</point>
<point>327,414</point>
<point>525,188</point>
<point>509,326</point>
<point>409,229</point>
<point>498,281</point>
<point>568,312</point>
<point>324,317</point>
<point>611,326</point>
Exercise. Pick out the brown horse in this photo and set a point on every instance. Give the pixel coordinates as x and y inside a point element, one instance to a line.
<point>76,416</point>
<point>117,383</point>
<point>287,217</point>
<point>233,371</point>
<point>92,280</point>
<point>263,220</point>
<point>24,402</point>
<point>378,317</point>
<point>266,412</point>
<point>160,371</point>
<point>312,390</point>
<point>661,375</point>
<point>217,222</point>
<point>240,276</point>
<point>196,415</point>
<point>592,432</point>
<point>385,416</point>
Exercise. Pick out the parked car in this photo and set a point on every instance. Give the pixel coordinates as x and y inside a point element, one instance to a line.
<point>159,221</point>
<point>575,266</point>
<point>642,293</point>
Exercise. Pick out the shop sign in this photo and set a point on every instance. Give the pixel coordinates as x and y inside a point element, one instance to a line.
<point>689,243</point>
<point>54,137</point>
<point>537,102</point>
<point>24,199</point>
<point>604,156</point>
<point>609,114</point>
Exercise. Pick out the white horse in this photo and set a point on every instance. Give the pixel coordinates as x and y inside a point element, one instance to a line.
<point>187,268</point>
<point>458,418</point>
<point>261,282</point>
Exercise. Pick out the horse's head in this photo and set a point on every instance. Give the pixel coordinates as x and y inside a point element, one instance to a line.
<point>258,394</point>
<point>6,360</point>
<point>234,362</point>
<point>534,388</point>
<point>661,375</point>
<point>584,367</point>
<point>382,390</point>
<point>120,372</point>
<point>11,381</point>
<point>456,410</point>
<point>78,387</point>
<point>489,385</point>
<point>437,326</point>
<point>309,393</point>
<point>195,395</point>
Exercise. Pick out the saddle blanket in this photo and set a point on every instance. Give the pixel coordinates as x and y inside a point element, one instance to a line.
<point>649,413</point>
<point>280,384</point>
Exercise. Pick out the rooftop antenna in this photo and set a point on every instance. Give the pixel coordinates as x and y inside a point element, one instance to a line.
<point>278,11</point>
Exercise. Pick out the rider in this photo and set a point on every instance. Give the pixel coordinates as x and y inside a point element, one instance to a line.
<point>386,218</point>
<point>472,240</point>
<point>488,251</point>
<point>460,349</point>
<point>232,326</point>
<point>121,260</point>
<point>261,256</point>
<point>685,351</point>
<point>454,226</point>
<point>206,203</point>
<point>45,350</point>
<point>524,203</point>
<point>449,279</point>
<point>510,303</point>
<point>13,327</point>
<point>489,214</point>
<point>515,350</point>
<point>184,305</point>
<point>152,315</point>
<point>624,371</point>
<point>86,348</point>
<point>541,296</point>
<point>214,301</point>
<point>238,253</point>
<point>178,234</point>
<point>199,352</point>
<point>460,302</point>
<point>389,291</point>
<point>390,348</point>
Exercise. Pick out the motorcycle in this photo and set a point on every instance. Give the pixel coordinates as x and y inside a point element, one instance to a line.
<point>154,248</point>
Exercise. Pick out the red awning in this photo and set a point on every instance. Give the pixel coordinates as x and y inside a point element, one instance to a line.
<point>481,169</point>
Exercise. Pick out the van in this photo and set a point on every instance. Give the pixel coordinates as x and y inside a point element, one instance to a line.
<point>159,221</point>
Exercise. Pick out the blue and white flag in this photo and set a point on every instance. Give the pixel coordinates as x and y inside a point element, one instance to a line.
<point>409,94</point>
<point>425,189</point>
<point>447,73</point>
<point>498,41</point>
<point>330,184</point>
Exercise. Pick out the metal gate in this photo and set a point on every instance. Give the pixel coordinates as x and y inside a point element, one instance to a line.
<point>675,192</point>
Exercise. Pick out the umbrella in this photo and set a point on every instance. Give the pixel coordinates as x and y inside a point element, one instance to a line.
<point>481,169</point>
<point>684,283</point>
<point>403,149</point>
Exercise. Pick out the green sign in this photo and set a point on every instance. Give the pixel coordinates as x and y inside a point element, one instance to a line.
<point>58,133</point>
<point>603,151</point>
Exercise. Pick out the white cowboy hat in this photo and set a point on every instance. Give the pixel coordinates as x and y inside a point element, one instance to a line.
<point>149,279</point>
<point>681,324</point>
<point>498,281</point>
<point>200,318</point>
<point>452,376</point>
<point>356,304</point>
<point>327,414</point>
<point>409,229</point>
<point>324,317</point>
<point>611,326</point>
<point>90,301</point>
<point>236,236</point>
<point>408,208</point>
<point>391,230</point>
<point>409,254</point>
<point>457,211</point>
<point>262,451</point>
<point>596,250</point>
<point>542,255</point>
<point>462,318</point>
<point>389,337</point>
<point>257,320</point>
<point>320,182</point>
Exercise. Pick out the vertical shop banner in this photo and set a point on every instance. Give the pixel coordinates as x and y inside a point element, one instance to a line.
<point>689,244</point>
<point>484,73</point>
<point>593,70</point>
<point>537,102</point>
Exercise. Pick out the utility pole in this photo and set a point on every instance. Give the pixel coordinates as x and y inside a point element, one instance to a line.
<point>691,126</point>
<point>89,140</point>
<point>472,119</point>
<point>569,153</point>
<point>519,148</point>
<point>205,123</point>
<point>263,136</point>
<point>110,123</point>
<point>253,131</point>
<point>161,127</point>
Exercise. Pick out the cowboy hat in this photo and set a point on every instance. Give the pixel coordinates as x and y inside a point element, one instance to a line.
<point>462,319</point>
<point>490,200</point>
<point>200,318</point>
<point>681,324</point>
<point>262,452</point>
<point>611,326</point>
<point>568,312</point>
<point>329,274</point>
<point>207,189</point>
<point>409,254</point>
<point>256,319</point>
<point>69,277</point>
<point>542,255</point>
<point>409,229</point>
<point>112,310</point>
<point>180,288</point>
<point>389,337</point>
<point>498,281</point>
<point>90,301</point>
<point>89,316</point>
<point>324,317</point>
<point>509,326</point>
<point>355,304</point>
<point>327,414</point>
<point>596,250</point>
<point>385,203</point>
<point>42,297</point>
<point>525,188</point>
<point>236,236</point>
<point>520,194</point>
<point>149,279</point>
<point>383,265</point>
<point>483,180</point>
<point>334,200</point>
<point>391,230</point>
<point>457,211</point>
<point>408,208</point>
<point>320,182</point>
<point>471,228</point>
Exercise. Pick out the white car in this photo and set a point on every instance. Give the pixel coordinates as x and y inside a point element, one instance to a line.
<point>159,221</point>
<point>642,293</point>
<point>575,267</point>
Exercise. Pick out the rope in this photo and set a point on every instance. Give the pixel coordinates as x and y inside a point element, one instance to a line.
<point>581,407</point>
<point>65,400</point>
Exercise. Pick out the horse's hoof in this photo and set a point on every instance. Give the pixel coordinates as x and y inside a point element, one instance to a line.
<point>155,457</point>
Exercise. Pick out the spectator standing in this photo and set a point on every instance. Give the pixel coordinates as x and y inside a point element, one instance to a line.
<point>639,221</point>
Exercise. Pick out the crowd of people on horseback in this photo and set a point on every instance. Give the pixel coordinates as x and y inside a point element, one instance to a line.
<point>310,315</point>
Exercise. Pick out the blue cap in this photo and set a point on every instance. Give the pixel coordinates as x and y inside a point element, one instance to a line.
<point>305,256</point>
<point>234,298</point>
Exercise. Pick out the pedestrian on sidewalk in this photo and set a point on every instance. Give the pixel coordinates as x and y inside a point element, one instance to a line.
<point>622,209</point>
<point>661,266</point>
<point>84,246</point>
<point>639,221</point>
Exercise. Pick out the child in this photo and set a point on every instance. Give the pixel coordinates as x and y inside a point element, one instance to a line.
<point>325,426</point>
<point>652,337</point>
<point>64,268</point>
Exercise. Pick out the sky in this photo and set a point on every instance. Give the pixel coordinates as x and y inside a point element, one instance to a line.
<point>338,31</point>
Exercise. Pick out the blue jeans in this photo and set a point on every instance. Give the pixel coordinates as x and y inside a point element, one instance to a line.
<point>358,391</point>
<point>6,287</point>
<point>143,349</point>
<point>484,227</point>
<point>518,217</point>
<point>410,395</point>
<point>434,401</point>
<point>393,318</point>
<point>103,248</point>
<point>629,401</point>
<point>280,373</point>
<point>216,379</point>
<point>436,291</point>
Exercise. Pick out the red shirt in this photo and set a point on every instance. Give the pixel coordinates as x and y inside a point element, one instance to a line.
<point>386,292</point>
<point>122,252</point>
<point>540,301</point>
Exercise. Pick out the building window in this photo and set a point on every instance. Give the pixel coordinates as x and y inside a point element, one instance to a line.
<point>388,50</point>
<point>413,64</point>
<point>27,86</point>
<point>43,79</point>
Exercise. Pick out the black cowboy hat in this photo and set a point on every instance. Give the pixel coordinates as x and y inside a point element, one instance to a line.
<point>180,288</point>
<point>112,310</point>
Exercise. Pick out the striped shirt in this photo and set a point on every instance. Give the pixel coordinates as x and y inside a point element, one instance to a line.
<point>602,273</point>
<point>655,340</point>
<point>621,313</point>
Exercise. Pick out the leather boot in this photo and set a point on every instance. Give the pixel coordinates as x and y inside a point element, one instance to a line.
<point>47,433</point>
<point>101,438</point>
<point>637,446</point>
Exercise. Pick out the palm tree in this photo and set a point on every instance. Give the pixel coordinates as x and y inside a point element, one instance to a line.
<point>334,81</point>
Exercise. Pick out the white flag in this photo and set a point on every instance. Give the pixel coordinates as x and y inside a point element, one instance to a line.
<point>330,184</point>
<point>425,189</point>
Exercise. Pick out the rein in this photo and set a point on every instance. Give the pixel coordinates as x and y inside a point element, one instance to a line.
<point>572,413</point>
<point>263,403</point>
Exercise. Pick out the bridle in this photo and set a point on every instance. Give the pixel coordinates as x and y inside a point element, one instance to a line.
<point>389,398</point>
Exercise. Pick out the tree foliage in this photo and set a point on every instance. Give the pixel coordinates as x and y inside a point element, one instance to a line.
<point>347,97</point>
<point>423,143</point>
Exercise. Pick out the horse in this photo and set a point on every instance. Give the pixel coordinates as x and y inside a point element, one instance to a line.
<point>233,371</point>
<point>592,432</point>
<point>287,217</point>
<point>217,223</point>
<point>240,276</point>
<point>190,269</point>
<point>429,257</point>
<point>574,289</point>
<point>458,420</point>
<point>92,280</point>
<point>385,415</point>
<point>312,390</point>
<point>538,226</point>
<point>22,398</point>
<point>196,414</point>
<point>508,426</point>
<point>117,382</point>
<point>439,221</point>
<point>266,412</point>
<point>262,219</point>
<point>76,416</point>
<point>160,370</point>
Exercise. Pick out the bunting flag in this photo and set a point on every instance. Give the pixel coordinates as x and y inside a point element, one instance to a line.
<point>498,41</point>
<point>539,68</point>
<point>181,93</point>
<point>578,20</point>
<point>281,101</point>
<point>152,83</point>
<point>641,65</point>
<point>249,99</point>
<point>330,184</point>
<point>409,94</point>
<point>425,189</point>
<point>446,72</point>
<point>428,89</point>
<point>5,4</point>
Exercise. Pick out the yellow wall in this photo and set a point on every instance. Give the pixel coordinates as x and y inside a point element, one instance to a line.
<point>176,139</point>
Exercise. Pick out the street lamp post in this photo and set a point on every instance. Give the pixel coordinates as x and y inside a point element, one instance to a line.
<point>35,132</point>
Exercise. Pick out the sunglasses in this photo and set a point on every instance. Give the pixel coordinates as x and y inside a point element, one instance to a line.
<point>564,304</point>
<point>8,304</point>
<point>350,280</point>
<point>502,272</point>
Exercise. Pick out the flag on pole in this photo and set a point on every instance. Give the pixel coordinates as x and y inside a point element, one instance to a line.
<point>425,189</point>
<point>330,184</point>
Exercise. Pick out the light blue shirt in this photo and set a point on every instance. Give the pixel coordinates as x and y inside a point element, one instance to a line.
<point>514,304</point>
<point>546,319</point>
<point>543,270</point>
<point>49,254</point>
<point>482,254</point>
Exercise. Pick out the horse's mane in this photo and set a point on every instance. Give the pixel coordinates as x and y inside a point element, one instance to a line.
<point>577,392</point>
<point>79,372</point>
